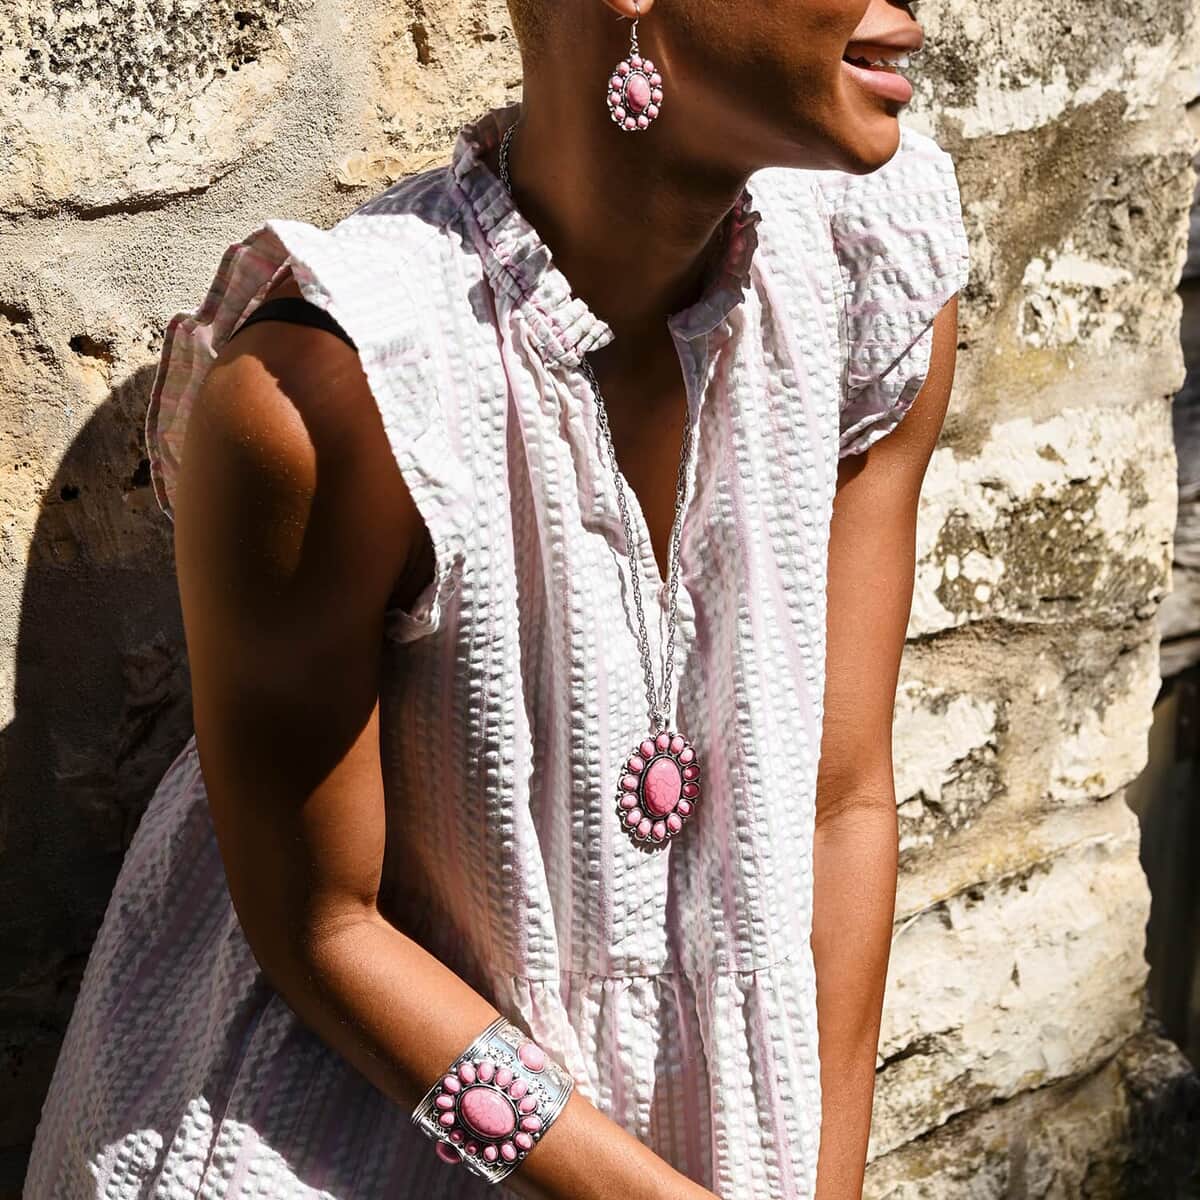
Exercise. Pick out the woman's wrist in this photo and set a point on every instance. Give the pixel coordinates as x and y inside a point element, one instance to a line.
<point>495,1102</point>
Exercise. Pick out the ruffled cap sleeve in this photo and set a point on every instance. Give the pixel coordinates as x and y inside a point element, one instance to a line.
<point>902,248</point>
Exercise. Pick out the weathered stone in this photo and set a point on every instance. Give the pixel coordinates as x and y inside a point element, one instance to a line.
<point>946,766</point>
<point>1011,986</point>
<point>109,104</point>
<point>1127,1131</point>
<point>1049,520</point>
<point>1043,545</point>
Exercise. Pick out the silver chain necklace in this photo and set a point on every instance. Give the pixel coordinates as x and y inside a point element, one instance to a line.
<point>659,782</point>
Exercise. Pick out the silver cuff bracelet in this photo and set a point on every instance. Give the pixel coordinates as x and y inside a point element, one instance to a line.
<point>494,1103</point>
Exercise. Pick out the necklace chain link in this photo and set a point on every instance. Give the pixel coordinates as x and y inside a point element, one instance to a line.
<point>660,711</point>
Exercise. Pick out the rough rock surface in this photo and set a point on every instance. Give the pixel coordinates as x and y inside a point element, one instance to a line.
<point>140,139</point>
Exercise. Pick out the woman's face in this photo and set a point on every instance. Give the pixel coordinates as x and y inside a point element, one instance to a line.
<point>787,82</point>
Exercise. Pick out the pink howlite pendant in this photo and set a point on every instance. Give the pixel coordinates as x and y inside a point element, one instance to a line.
<point>665,777</point>
<point>635,93</point>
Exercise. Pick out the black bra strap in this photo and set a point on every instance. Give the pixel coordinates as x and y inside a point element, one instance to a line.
<point>297,311</point>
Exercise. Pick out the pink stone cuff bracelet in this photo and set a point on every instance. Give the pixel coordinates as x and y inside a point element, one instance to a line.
<point>495,1102</point>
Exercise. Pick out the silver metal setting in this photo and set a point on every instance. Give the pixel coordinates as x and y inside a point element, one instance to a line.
<point>500,1042</point>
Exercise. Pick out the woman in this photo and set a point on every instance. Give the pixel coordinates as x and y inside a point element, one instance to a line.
<point>527,439</point>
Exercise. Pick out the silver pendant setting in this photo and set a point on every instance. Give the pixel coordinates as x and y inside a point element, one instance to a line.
<point>659,788</point>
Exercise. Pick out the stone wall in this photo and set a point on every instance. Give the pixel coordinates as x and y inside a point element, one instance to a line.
<point>140,140</point>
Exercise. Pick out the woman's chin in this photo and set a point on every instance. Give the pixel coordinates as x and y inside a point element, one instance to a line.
<point>874,144</point>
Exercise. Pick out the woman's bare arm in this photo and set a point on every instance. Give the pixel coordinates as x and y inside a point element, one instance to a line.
<point>294,532</point>
<point>872,544</point>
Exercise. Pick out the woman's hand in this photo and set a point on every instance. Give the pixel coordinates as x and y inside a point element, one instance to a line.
<point>294,533</point>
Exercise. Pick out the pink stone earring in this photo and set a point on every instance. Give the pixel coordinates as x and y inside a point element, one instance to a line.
<point>635,90</point>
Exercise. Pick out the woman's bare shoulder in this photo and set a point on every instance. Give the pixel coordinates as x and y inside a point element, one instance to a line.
<point>287,448</point>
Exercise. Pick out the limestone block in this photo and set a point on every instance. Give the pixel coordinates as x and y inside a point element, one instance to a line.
<point>1066,518</point>
<point>1127,1131</point>
<point>110,104</point>
<point>1011,985</point>
<point>945,754</point>
<point>1100,743</point>
<point>1021,64</point>
<point>433,67</point>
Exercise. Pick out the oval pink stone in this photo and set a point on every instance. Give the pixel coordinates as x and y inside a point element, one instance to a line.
<point>691,771</point>
<point>655,79</point>
<point>466,1072</point>
<point>531,1124</point>
<point>629,782</point>
<point>656,95</point>
<point>663,741</point>
<point>451,1084</point>
<point>659,830</point>
<point>674,822</point>
<point>686,755</point>
<point>691,790</point>
<point>532,1055</point>
<point>633,817</point>
<point>652,110</point>
<point>524,1141</point>
<point>644,827</point>
<point>490,1153</point>
<point>677,743</point>
<point>636,762</point>
<point>447,1154</point>
<point>508,1152</point>
<point>503,1077</point>
<point>487,1069</point>
<point>628,800</point>
<point>647,749</point>
<point>528,1104</point>
<point>661,786</point>
<point>518,1088</point>
<point>485,1112</point>
<point>445,1102</point>
<point>447,1119</point>
<point>684,808</point>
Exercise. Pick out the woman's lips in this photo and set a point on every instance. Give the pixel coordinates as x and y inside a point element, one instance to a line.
<point>882,80</point>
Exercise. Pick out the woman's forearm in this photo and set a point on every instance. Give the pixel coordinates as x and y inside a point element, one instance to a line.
<point>854,897</point>
<point>400,1016</point>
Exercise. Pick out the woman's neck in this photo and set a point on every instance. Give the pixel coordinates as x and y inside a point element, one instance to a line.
<point>631,228</point>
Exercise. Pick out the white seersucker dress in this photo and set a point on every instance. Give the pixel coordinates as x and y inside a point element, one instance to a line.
<point>676,987</point>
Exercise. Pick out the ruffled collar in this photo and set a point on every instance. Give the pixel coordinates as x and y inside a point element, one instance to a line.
<point>519,265</point>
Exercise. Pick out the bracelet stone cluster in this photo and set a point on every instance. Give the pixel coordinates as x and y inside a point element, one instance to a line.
<point>494,1103</point>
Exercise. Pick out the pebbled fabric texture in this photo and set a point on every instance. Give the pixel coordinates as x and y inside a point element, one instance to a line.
<point>676,987</point>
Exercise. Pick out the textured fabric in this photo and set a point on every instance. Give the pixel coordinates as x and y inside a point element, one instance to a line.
<point>677,987</point>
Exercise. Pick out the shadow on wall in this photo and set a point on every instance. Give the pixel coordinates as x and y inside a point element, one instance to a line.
<point>1166,796</point>
<point>102,706</point>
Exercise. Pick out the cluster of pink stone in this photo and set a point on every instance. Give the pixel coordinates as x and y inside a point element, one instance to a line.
<point>661,787</point>
<point>489,1110</point>
<point>635,93</point>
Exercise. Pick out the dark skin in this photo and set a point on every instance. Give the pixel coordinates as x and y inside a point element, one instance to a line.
<point>295,532</point>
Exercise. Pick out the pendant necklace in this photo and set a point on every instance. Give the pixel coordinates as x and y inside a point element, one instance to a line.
<point>659,784</point>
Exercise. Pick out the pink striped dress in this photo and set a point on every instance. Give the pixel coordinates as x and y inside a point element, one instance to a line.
<point>677,987</point>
